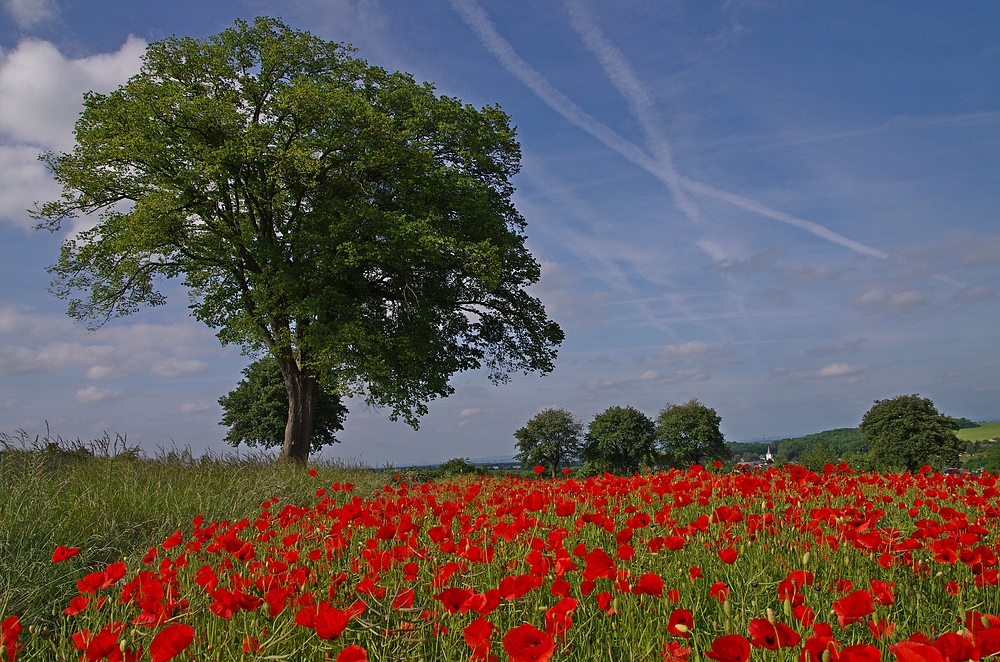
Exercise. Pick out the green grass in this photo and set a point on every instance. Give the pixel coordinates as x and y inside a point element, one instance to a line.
<point>117,505</point>
<point>983,432</point>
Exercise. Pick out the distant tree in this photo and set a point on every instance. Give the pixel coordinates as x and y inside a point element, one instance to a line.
<point>907,432</point>
<point>990,461</point>
<point>550,438</point>
<point>620,440</point>
<point>256,411</point>
<point>457,466</point>
<point>815,458</point>
<point>689,434</point>
<point>965,424</point>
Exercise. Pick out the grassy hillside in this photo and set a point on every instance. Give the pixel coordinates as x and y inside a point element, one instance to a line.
<point>837,442</point>
<point>981,433</point>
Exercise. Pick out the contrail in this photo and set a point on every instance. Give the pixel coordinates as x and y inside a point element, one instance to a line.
<point>619,71</point>
<point>480,23</point>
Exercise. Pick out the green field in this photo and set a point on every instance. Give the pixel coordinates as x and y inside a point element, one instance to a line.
<point>983,432</point>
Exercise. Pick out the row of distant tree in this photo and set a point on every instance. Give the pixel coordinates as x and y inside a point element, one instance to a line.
<point>622,440</point>
<point>898,434</point>
<point>903,433</point>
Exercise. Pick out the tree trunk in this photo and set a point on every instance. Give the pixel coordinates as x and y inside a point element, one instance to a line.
<point>303,396</point>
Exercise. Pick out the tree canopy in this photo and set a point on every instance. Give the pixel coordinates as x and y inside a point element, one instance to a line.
<point>347,220</point>
<point>619,440</point>
<point>550,438</point>
<point>907,432</point>
<point>256,411</point>
<point>689,434</point>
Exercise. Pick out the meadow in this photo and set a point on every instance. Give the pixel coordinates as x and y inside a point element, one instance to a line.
<point>985,431</point>
<point>122,558</point>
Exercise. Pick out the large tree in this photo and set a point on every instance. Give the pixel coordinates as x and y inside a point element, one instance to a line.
<point>620,440</point>
<point>550,438</point>
<point>349,221</point>
<point>907,432</point>
<point>689,434</point>
<point>256,411</point>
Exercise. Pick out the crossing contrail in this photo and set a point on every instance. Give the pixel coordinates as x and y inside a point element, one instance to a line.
<point>661,166</point>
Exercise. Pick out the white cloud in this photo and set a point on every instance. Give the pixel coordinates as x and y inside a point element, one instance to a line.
<point>898,303</point>
<point>839,346</point>
<point>41,92</point>
<point>195,407</point>
<point>32,342</point>
<point>695,351</point>
<point>840,370</point>
<point>92,394</point>
<point>29,13</point>
<point>41,96</point>
<point>801,274</point>
<point>974,293</point>
<point>472,411</point>
<point>175,367</point>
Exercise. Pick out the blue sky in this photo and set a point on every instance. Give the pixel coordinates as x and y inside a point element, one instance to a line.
<point>784,209</point>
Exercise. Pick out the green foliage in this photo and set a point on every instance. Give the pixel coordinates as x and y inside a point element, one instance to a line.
<point>457,466</point>
<point>550,438</point>
<point>619,440</point>
<point>348,220</point>
<point>964,423</point>
<point>256,411</point>
<point>815,458</point>
<point>689,434</point>
<point>907,432</point>
<point>989,461</point>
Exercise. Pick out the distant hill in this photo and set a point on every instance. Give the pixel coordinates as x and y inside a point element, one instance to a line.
<point>838,442</point>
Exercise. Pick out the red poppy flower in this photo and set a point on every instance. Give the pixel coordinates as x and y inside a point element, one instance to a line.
<point>526,643</point>
<point>765,635</point>
<point>599,564</point>
<point>76,605</point>
<point>477,635</point>
<point>10,632</point>
<point>674,651</point>
<point>330,621</point>
<point>955,647</point>
<point>987,642</point>
<point>567,471</point>
<point>719,591</point>
<point>729,648</point>
<point>353,653</point>
<point>174,540</point>
<point>728,555</point>
<point>694,572</point>
<point>859,653</point>
<point>558,619</point>
<point>62,553</point>
<point>681,623</point>
<point>649,584</point>
<point>911,651</point>
<point>170,642</point>
<point>539,469</point>
<point>853,607</point>
<point>882,591</point>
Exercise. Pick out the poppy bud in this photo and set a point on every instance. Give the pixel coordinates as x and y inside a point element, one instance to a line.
<point>680,627</point>
<point>787,605</point>
<point>805,559</point>
<point>826,655</point>
<point>771,618</point>
<point>727,607</point>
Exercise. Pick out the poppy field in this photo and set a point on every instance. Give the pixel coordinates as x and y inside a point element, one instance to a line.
<point>701,564</point>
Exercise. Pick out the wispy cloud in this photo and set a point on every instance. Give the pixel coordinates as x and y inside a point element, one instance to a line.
<point>897,303</point>
<point>29,13</point>
<point>482,25</point>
